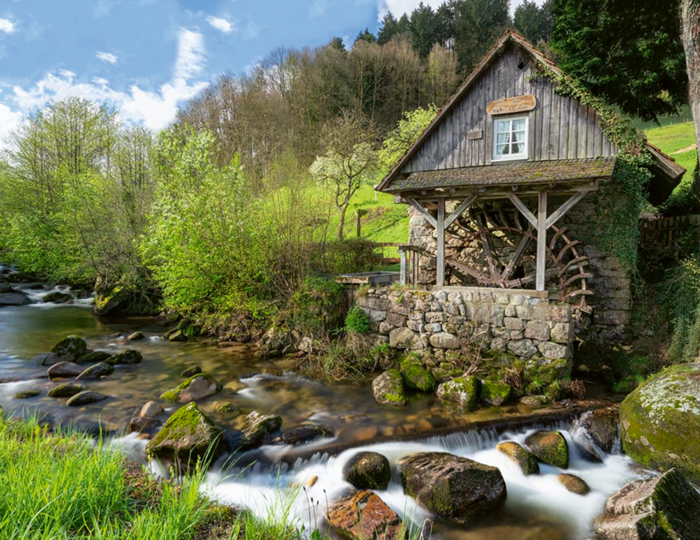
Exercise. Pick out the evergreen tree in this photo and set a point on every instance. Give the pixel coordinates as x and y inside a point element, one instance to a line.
<point>628,53</point>
<point>424,29</point>
<point>337,44</point>
<point>390,27</point>
<point>365,35</point>
<point>535,22</point>
<point>477,26</point>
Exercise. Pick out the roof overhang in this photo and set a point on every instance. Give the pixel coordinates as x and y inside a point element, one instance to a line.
<point>559,175</point>
<point>668,174</point>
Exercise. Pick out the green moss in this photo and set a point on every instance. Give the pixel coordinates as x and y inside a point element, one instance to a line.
<point>27,394</point>
<point>174,394</point>
<point>186,424</point>
<point>660,421</point>
<point>495,392</point>
<point>550,447</point>
<point>462,391</point>
<point>415,376</point>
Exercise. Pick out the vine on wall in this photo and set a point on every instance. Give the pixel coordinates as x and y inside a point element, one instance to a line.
<point>616,222</point>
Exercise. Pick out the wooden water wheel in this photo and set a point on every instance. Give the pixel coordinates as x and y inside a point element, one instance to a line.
<point>501,245</point>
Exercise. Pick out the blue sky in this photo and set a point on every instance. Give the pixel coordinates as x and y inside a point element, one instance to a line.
<point>150,56</point>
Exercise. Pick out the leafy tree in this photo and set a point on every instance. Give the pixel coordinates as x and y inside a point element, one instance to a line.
<point>400,139</point>
<point>628,53</point>
<point>442,77</point>
<point>535,22</point>
<point>349,161</point>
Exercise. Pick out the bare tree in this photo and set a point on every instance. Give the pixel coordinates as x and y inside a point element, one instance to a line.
<point>349,161</point>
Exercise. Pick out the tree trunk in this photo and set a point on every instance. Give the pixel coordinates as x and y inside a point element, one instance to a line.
<point>690,34</point>
<point>343,211</point>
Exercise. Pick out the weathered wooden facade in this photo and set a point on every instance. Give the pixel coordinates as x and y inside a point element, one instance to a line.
<point>501,187</point>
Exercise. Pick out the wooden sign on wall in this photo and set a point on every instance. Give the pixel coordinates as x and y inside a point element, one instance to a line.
<point>511,105</point>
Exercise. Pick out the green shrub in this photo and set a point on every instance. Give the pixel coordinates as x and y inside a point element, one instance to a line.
<point>317,308</point>
<point>357,321</point>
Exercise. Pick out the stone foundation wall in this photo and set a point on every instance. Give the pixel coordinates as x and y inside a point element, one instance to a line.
<point>611,301</point>
<point>507,326</point>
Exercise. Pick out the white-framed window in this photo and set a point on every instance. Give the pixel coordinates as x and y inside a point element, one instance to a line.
<point>510,138</point>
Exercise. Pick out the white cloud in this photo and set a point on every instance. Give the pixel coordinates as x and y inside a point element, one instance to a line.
<point>107,57</point>
<point>399,7</point>
<point>9,120</point>
<point>318,8</point>
<point>7,26</point>
<point>221,24</point>
<point>152,109</point>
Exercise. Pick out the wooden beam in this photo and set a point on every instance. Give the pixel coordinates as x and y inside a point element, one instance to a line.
<point>466,203</point>
<point>402,254</point>
<point>440,281</point>
<point>516,257</point>
<point>541,240</point>
<point>524,210</point>
<point>418,206</point>
<point>564,208</point>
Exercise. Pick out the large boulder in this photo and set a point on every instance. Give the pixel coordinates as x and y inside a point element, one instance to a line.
<point>388,388</point>
<point>520,456</point>
<point>452,487</point>
<point>666,507</point>
<point>256,427</point>
<point>69,349</point>
<point>125,358</point>
<point>405,338</point>
<point>367,470</point>
<point>549,447</point>
<point>362,515</point>
<point>64,370</point>
<point>305,433</point>
<point>96,372</point>
<point>14,299</point>
<point>188,435</point>
<point>461,393</point>
<point>196,387</point>
<point>85,398</point>
<point>660,421</point>
<point>416,376</point>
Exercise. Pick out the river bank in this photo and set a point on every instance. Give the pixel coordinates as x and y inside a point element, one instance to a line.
<point>300,483</point>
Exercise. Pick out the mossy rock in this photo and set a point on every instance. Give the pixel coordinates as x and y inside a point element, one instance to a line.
<point>85,397</point>
<point>388,389</point>
<point>126,358</point>
<point>66,390</point>
<point>522,457</point>
<point>68,349</point>
<point>452,487</point>
<point>574,484</point>
<point>197,387</point>
<point>665,507</point>
<point>103,369</point>
<point>367,470</point>
<point>191,371</point>
<point>416,376</point>
<point>549,447</point>
<point>660,421</point>
<point>461,393</point>
<point>57,297</point>
<point>27,394</point>
<point>94,357</point>
<point>188,435</point>
<point>495,392</point>
<point>228,408</point>
<point>256,427</point>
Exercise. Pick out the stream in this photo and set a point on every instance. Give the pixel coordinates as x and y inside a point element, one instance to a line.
<point>537,507</point>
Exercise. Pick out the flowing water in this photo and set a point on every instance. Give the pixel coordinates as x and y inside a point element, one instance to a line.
<point>537,506</point>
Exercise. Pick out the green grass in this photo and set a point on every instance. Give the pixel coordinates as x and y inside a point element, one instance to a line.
<point>61,485</point>
<point>671,139</point>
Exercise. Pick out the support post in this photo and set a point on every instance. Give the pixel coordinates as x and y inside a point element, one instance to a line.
<point>541,240</point>
<point>440,226</point>
<point>402,254</point>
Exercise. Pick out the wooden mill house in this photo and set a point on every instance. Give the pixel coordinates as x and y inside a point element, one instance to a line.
<point>503,189</point>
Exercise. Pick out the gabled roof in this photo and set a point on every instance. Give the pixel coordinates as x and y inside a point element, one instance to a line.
<point>666,167</point>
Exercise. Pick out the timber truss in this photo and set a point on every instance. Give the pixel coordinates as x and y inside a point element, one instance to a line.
<point>558,258</point>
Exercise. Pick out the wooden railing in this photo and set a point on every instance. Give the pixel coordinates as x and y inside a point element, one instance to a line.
<point>668,231</point>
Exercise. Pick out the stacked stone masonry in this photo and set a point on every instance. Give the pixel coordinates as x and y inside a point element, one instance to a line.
<point>448,322</point>
<point>610,282</point>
